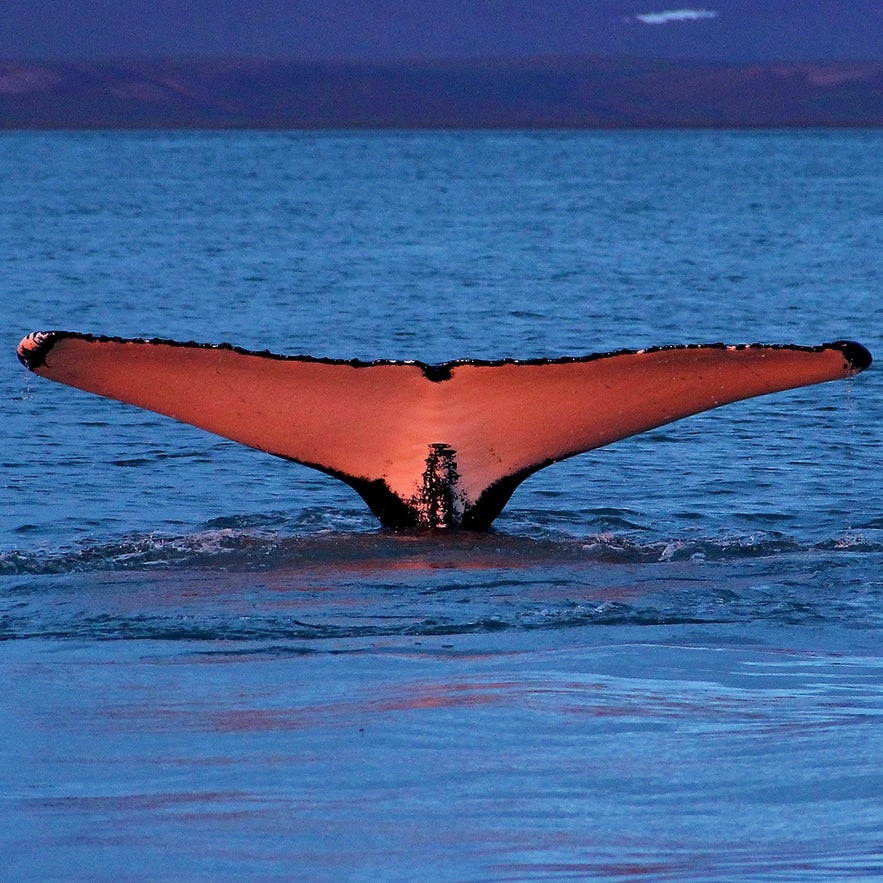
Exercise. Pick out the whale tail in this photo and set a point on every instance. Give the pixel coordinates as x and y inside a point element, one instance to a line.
<point>429,445</point>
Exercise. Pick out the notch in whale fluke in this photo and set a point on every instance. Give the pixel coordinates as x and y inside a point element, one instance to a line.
<point>429,445</point>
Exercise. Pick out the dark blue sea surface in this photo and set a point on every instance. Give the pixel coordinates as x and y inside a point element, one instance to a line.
<point>665,662</point>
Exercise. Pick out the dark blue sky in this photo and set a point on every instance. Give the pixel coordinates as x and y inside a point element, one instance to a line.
<point>739,30</point>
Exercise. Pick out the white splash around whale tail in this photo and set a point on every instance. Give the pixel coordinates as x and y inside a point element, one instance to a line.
<point>429,445</point>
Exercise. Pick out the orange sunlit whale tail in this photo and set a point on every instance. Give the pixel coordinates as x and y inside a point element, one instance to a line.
<point>429,445</point>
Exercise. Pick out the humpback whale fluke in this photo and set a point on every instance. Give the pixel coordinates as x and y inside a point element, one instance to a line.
<point>429,445</point>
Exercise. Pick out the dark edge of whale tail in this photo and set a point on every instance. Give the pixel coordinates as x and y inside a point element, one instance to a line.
<point>859,357</point>
<point>33,349</point>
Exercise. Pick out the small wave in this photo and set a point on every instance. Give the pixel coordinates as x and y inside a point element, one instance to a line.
<point>207,549</point>
<point>254,544</point>
<point>256,588</point>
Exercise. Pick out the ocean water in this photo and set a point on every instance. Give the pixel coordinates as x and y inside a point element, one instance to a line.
<point>665,662</point>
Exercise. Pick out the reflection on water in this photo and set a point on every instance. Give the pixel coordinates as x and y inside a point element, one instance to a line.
<point>537,758</point>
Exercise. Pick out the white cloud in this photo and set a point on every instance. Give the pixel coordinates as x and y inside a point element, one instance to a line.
<point>674,15</point>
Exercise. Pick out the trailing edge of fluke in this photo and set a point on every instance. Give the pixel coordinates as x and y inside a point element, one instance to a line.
<point>429,446</point>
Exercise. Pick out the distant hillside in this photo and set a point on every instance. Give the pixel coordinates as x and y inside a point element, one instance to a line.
<point>579,93</point>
